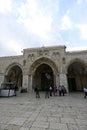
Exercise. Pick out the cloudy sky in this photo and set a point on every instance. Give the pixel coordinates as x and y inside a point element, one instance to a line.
<point>37,23</point>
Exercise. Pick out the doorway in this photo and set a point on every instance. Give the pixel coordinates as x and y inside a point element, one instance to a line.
<point>72,84</point>
<point>44,77</point>
<point>77,76</point>
<point>14,75</point>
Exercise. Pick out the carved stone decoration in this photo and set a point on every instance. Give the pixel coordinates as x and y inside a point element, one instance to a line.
<point>24,62</point>
<point>63,60</point>
<point>25,70</point>
<point>40,53</point>
<point>55,55</point>
<point>31,57</point>
<point>46,53</point>
<point>43,53</point>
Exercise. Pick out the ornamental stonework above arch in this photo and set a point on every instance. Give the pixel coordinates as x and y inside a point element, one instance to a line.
<point>31,57</point>
<point>43,53</point>
<point>56,55</point>
<point>43,61</point>
<point>13,65</point>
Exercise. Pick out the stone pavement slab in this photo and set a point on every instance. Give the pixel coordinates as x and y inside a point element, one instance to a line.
<point>25,112</point>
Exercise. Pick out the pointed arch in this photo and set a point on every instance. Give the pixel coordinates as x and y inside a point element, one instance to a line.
<point>41,68</point>
<point>43,60</point>
<point>14,73</point>
<point>77,75</point>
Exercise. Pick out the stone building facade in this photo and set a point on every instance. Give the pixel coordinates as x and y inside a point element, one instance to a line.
<point>46,66</point>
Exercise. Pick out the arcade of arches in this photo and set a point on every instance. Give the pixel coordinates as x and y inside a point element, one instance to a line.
<point>46,66</point>
<point>44,76</point>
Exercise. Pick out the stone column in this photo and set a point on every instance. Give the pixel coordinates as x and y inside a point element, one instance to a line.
<point>30,83</point>
<point>25,82</point>
<point>1,79</point>
<point>62,75</point>
<point>63,80</point>
<point>57,80</point>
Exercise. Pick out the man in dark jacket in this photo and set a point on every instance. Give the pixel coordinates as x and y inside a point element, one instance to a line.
<point>37,92</point>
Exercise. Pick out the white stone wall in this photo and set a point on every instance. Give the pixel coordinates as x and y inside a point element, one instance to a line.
<point>6,62</point>
<point>80,56</point>
<point>56,54</point>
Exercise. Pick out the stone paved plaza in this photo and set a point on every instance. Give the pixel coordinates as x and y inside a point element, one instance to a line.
<point>25,112</point>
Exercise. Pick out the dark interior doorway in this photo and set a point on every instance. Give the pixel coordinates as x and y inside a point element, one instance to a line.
<point>77,76</point>
<point>14,75</point>
<point>46,81</point>
<point>72,84</point>
<point>44,77</point>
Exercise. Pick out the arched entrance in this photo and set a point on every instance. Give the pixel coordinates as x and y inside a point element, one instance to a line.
<point>14,74</point>
<point>43,76</point>
<point>43,72</point>
<point>77,76</point>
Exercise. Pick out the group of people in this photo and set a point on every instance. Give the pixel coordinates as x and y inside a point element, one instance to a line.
<point>60,90</point>
<point>49,91</point>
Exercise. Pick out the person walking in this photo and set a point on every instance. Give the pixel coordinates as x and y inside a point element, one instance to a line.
<point>37,92</point>
<point>55,90</point>
<point>63,90</point>
<point>47,92</point>
<point>85,92</point>
<point>60,90</point>
<point>50,90</point>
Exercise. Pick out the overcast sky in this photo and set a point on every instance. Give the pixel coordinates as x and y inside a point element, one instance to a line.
<point>37,23</point>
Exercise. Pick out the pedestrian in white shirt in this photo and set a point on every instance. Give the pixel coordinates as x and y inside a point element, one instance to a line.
<point>85,91</point>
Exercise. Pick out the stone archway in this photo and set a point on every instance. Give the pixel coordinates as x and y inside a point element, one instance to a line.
<point>77,76</point>
<point>41,68</point>
<point>14,74</point>
<point>44,76</point>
